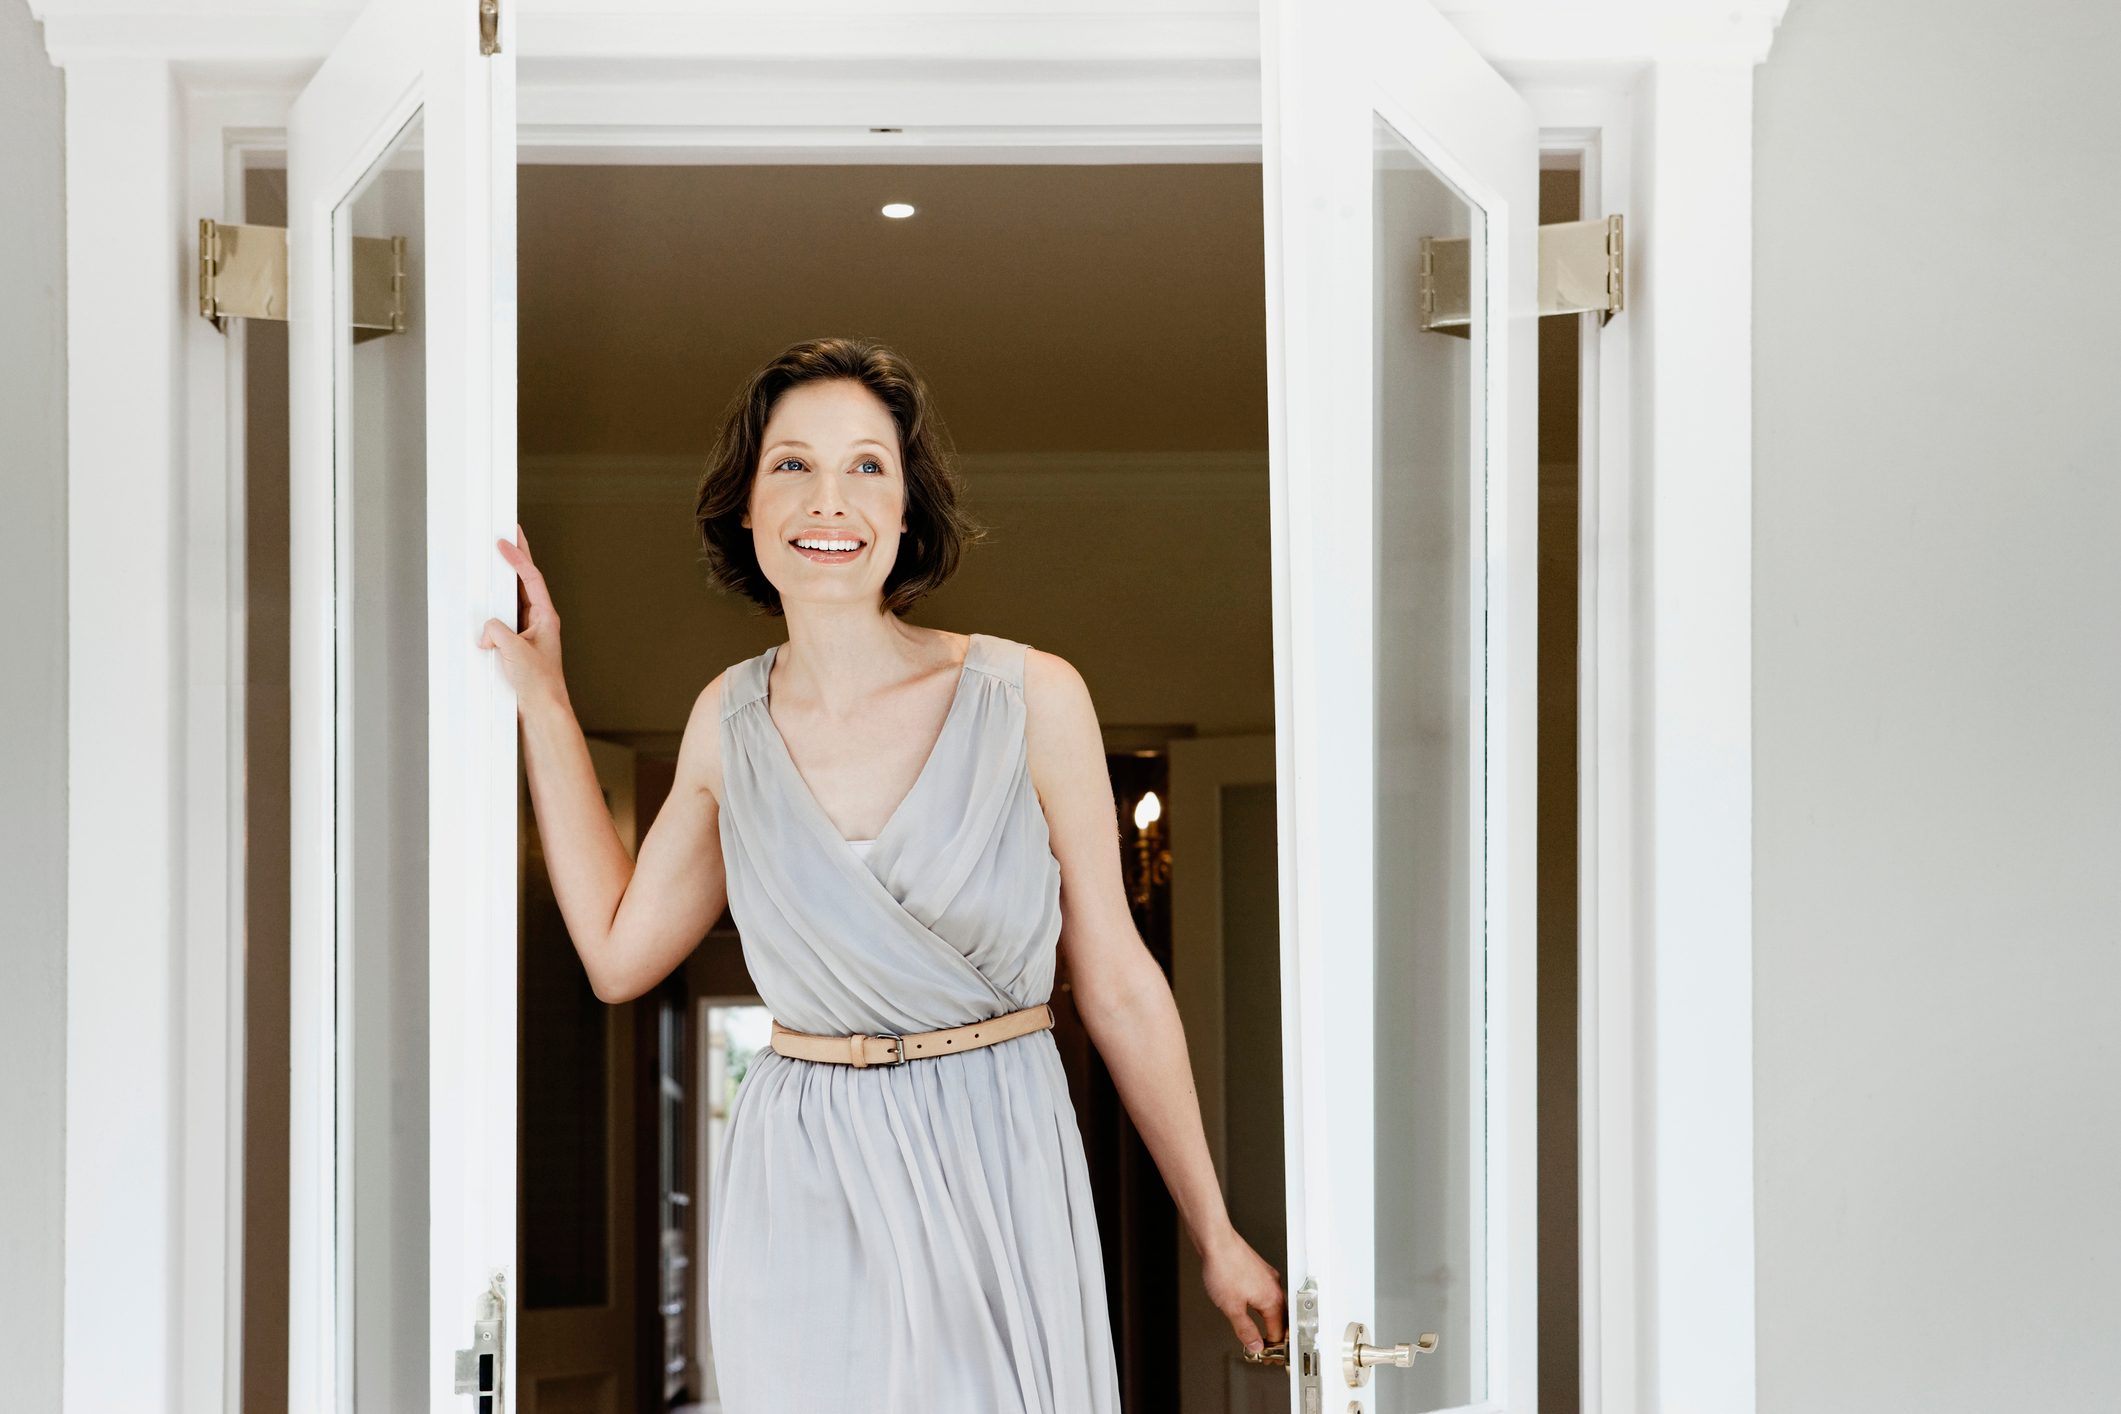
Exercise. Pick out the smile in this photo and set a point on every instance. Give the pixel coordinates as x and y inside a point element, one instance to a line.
<point>827,549</point>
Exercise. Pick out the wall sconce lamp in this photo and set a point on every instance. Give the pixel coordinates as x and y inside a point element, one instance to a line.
<point>1152,857</point>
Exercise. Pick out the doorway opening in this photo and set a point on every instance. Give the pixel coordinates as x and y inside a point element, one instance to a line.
<point>1094,332</point>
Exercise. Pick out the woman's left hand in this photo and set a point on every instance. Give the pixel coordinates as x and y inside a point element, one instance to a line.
<point>1239,1281</point>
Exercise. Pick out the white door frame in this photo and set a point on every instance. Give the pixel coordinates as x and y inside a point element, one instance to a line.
<point>161,112</point>
<point>401,59</point>
<point>1345,74</point>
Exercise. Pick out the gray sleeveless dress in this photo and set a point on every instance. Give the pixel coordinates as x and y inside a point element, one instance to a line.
<point>913,1238</point>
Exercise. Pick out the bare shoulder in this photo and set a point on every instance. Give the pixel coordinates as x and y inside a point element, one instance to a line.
<point>1066,748</point>
<point>700,751</point>
<point>1053,689</point>
<point>1062,735</point>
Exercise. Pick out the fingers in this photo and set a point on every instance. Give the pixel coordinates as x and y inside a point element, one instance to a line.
<point>495,634</point>
<point>533,594</point>
<point>523,604</point>
<point>1269,1305</point>
<point>1276,1307</point>
<point>1268,1301</point>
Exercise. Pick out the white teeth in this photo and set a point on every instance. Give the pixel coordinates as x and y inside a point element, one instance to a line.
<point>830,544</point>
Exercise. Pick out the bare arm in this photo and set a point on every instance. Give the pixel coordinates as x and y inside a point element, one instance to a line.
<point>1123,996</point>
<point>632,920</point>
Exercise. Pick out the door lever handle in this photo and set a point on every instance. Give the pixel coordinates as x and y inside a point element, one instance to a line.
<point>1361,1355</point>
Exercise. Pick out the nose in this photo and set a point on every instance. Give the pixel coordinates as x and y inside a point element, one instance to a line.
<point>827,496</point>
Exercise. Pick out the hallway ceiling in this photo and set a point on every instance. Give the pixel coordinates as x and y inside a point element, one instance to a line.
<point>1051,308</point>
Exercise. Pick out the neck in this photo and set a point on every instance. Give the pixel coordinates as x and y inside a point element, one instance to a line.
<point>841,655</point>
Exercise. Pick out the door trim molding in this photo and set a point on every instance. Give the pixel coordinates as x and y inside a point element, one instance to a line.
<point>161,119</point>
<point>1665,746</point>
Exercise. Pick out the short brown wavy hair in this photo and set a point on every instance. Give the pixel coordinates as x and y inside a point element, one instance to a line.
<point>938,528</point>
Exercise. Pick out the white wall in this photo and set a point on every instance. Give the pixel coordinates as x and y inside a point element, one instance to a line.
<point>1938,707</point>
<point>32,715</point>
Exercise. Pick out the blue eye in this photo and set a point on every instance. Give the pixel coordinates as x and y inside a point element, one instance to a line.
<point>798,461</point>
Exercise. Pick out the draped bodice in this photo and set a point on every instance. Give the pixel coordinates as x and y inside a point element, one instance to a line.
<point>953,914</point>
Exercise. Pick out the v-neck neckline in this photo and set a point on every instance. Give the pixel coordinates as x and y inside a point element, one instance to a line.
<point>802,787</point>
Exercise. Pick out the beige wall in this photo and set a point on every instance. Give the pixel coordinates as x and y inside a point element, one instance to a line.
<point>266,864</point>
<point>33,694</point>
<point>1106,307</point>
<point>1937,668</point>
<point>1560,526</point>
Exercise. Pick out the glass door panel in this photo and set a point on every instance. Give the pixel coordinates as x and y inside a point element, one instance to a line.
<point>1431,1061</point>
<point>380,509</point>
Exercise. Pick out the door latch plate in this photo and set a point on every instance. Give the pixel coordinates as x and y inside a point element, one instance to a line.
<point>479,1368</point>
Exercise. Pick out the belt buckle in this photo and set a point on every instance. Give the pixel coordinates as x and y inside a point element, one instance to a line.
<point>898,1048</point>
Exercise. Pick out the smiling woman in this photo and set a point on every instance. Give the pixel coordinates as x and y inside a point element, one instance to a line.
<point>895,488</point>
<point>903,1175</point>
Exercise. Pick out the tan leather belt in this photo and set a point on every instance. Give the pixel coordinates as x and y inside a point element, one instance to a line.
<point>889,1048</point>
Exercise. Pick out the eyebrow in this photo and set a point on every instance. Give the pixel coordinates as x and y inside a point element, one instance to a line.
<point>791,442</point>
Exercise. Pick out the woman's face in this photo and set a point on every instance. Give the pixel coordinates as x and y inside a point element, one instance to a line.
<point>829,475</point>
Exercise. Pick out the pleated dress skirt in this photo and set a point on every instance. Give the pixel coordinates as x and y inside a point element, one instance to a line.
<point>914,1238</point>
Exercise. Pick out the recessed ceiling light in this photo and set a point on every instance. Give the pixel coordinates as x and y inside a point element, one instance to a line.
<point>898,210</point>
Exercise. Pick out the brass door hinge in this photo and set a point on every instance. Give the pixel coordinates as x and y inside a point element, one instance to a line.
<point>489,26</point>
<point>243,275</point>
<point>1582,269</point>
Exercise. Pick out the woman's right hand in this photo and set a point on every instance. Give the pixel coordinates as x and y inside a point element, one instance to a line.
<point>530,657</point>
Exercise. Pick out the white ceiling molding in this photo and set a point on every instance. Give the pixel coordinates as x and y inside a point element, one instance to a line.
<point>251,32</point>
<point>675,106</point>
<point>1134,477</point>
<point>1515,37</point>
<point>1511,33</point>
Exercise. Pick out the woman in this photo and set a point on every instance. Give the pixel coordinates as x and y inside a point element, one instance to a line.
<point>908,826</point>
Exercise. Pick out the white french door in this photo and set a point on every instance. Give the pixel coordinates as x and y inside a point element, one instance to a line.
<point>1404,494</point>
<point>401,237</point>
